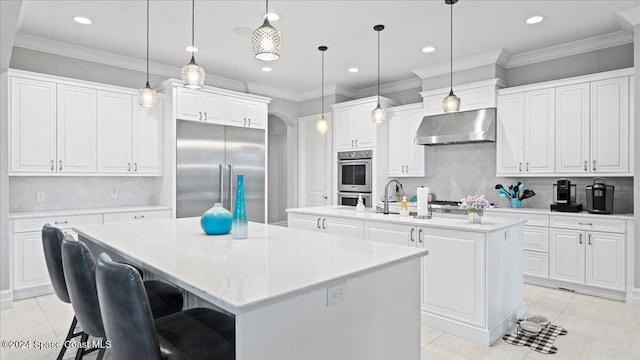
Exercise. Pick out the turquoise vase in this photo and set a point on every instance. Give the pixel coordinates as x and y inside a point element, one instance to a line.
<point>240,223</point>
<point>216,221</point>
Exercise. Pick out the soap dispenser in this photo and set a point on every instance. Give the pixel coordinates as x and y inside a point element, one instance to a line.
<point>360,205</point>
<point>404,208</point>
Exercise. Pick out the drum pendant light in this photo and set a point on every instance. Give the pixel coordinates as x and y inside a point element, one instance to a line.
<point>322,125</point>
<point>192,73</point>
<point>147,97</point>
<point>451,103</point>
<point>267,40</point>
<point>378,115</point>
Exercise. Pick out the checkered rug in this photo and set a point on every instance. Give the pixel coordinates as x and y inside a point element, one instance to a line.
<point>543,343</point>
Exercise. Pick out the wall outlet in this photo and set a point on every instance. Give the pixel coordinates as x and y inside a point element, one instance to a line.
<point>336,294</point>
<point>114,194</point>
<point>40,196</point>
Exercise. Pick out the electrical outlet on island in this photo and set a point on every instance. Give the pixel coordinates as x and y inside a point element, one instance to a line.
<point>40,196</point>
<point>336,294</point>
<point>114,194</point>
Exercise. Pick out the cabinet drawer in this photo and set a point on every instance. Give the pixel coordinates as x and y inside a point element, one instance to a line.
<point>588,223</point>
<point>535,264</point>
<point>536,238</point>
<point>136,215</point>
<point>532,219</point>
<point>63,222</point>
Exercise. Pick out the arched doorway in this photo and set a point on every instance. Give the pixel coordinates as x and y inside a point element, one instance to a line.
<point>277,157</point>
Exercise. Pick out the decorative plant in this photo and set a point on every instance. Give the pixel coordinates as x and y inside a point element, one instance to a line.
<point>474,202</point>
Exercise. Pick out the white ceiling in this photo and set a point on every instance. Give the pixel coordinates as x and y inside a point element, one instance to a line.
<point>346,27</point>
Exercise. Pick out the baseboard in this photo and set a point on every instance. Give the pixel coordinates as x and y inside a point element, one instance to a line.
<point>32,291</point>
<point>635,297</point>
<point>6,299</point>
<point>580,289</point>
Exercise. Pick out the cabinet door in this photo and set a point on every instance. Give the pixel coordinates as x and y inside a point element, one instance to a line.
<point>114,132</point>
<point>415,164</point>
<point>30,266</point>
<point>32,126</point>
<point>365,131</point>
<point>566,254</point>
<point>572,129</point>
<point>76,129</point>
<point>148,134</point>
<point>536,238</point>
<point>214,108</point>
<point>256,115</point>
<point>397,130</point>
<point>610,125</point>
<point>632,122</point>
<point>236,112</point>
<point>606,260</point>
<point>390,233</point>
<point>188,104</point>
<point>343,227</point>
<point>509,147</point>
<point>305,222</point>
<point>539,131</point>
<point>342,128</point>
<point>535,264</point>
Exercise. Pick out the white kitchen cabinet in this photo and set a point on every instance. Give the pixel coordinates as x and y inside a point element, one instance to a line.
<point>256,115</point>
<point>327,224</point>
<point>136,216</point>
<point>605,260</point>
<point>536,239</point>
<point>390,233</point>
<point>406,158</point>
<point>76,129</point>
<point>535,264</point>
<point>342,128</point>
<point>477,95</point>
<point>214,108</point>
<point>632,122</point>
<point>199,105</point>
<point>32,126</point>
<point>246,113</point>
<point>364,131</point>
<point>572,128</point>
<point>567,255</point>
<point>610,126</point>
<point>147,139</point>
<point>509,134</point>
<point>352,126</point>
<point>114,132</point>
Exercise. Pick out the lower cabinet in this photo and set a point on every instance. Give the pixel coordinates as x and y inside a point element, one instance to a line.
<point>390,233</point>
<point>327,224</point>
<point>535,264</point>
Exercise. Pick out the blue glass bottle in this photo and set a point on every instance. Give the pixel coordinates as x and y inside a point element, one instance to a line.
<point>239,224</point>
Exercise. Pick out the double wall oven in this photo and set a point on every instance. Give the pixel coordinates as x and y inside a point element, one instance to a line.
<point>354,177</point>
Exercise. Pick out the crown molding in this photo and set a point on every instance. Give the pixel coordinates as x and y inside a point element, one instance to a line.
<point>500,57</point>
<point>572,48</point>
<point>392,87</point>
<point>257,88</point>
<point>628,19</point>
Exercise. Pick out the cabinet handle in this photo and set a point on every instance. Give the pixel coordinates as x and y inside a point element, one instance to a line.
<point>128,166</point>
<point>244,121</point>
<point>403,169</point>
<point>135,166</point>
<point>407,169</point>
<point>52,165</point>
<point>527,166</point>
<point>205,116</point>
<point>589,239</point>
<point>139,217</point>
<point>318,223</point>
<point>60,222</point>
<point>594,165</point>
<point>420,235</point>
<point>585,166</point>
<point>585,223</point>
<point>249,122</point>
<point>411,236</point>
<point>580,240</point>
<point>324,223</point>
<point>199,115</point>
<point>60,168</point>
<point>356,143</point>
<point>520,167</point>
<point>351,143</point>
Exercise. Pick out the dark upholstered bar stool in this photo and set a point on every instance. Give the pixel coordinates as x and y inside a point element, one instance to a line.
<point>129,324</point>
<point>52,244</point>
<point>80,274</point>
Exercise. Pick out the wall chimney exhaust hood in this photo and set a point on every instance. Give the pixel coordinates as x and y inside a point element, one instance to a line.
<point>464,127</point>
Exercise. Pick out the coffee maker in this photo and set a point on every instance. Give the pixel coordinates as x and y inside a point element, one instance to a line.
<point>600,197</point>
<point>564,197</point>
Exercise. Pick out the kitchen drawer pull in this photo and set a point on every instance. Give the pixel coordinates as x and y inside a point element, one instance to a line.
<point>52,165</point>
<point>585,223</point>
<point>60,165</point>
<point>580,240</point>
<point>527,166</point>
<point>356,143</point>
<point>61,222</point>
<point>594,165</point>
<point>351,143</point>
<point>589,239</point>
<point>244,123</point>
<point>324,222</point>
<point>411,236</point>
<point>128,166</point>
<point>403,169</point>
<point>420,235</point>
<point>520,167</point>
<point>318,223</point>
<point>585,166</point>
<point>139,217</point>
<point>135,166</point>
<point>205,116</point>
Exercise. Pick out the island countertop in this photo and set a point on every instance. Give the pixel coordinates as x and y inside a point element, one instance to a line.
<point>489,224</point>
<point>273,264</point>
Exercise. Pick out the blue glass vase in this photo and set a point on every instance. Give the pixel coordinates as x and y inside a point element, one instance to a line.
<point>240,223</point>
<point>216,221</point>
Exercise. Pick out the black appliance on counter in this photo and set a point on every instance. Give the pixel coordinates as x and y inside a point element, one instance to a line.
<point>564,197</point>
<point>600,197</point>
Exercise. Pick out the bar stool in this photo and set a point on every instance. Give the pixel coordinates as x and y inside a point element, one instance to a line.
<point>128,322</point>
<point>52,245</point>
<point>80,274</point>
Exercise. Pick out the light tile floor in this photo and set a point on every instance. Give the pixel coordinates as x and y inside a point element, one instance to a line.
<point>598,329</point>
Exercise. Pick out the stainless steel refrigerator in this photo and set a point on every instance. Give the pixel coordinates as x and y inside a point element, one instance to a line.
<point>208,158</point>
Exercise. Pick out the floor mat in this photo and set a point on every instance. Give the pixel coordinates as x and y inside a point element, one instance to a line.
<point>543,343</point>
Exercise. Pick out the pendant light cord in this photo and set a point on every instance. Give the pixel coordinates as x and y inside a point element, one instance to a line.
<point>379,67</point>
<point>266,14</point>
<point>322,101</point>
<point>451,49</point>
<point>147,42</point>
<point>193,20</point>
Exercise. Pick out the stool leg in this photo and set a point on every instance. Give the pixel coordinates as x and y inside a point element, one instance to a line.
<point>70,334</point>
<point>101,353</point>
<point>83,339</point>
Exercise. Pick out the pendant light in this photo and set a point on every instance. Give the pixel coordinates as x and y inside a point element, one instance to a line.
<point>267,41</point>
<point>192,73</point>
<point>322,125</point>
<point>378,115</point>
<point>451,103</point>
<point>147,97</point>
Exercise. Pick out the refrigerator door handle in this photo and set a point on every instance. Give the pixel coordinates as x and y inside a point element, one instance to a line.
<point>230,186</point>
<point>221,185</point>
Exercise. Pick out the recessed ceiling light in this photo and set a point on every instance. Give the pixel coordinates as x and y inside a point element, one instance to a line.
<point>191,49</point>
<point>273,16</point>
<point>428,49</point>
<point>82,20</point>
<point>266,69</point>
<point>354,70</point>
<point>534,19</point>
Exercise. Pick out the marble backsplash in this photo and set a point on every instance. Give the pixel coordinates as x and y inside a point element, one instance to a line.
<point>65,193</point>
<point>469,169</point>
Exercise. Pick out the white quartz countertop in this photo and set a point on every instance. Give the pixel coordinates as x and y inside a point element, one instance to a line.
<point>560,213</point>
<point>273,264</point>
<point>489,224</point>
<point>34,214</point>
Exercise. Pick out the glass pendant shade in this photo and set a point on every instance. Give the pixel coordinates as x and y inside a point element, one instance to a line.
<point>267,42</point>
<point>147,97</point>
<point>193,75</point>
<point>378,115</point>
<point>322,125</point>
<point>451,103</point>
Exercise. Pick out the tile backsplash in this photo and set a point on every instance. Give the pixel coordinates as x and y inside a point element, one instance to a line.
<point>65,193</point>
<point>468,169</point>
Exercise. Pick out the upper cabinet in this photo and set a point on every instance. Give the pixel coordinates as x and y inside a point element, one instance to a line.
<point>352,124</point>
<point>80,128</point>
<point>570,127</point>
<point>224,109</point>
<point>474,96</point>
<point>405,157</point>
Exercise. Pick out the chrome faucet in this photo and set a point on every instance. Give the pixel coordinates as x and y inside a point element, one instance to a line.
<point>385,210</point>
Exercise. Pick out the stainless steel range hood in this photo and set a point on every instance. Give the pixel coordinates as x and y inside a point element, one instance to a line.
<point>458,128</point>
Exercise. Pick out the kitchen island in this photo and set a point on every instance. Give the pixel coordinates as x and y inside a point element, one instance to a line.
<point>294,294</point>
<point>472,280</point>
